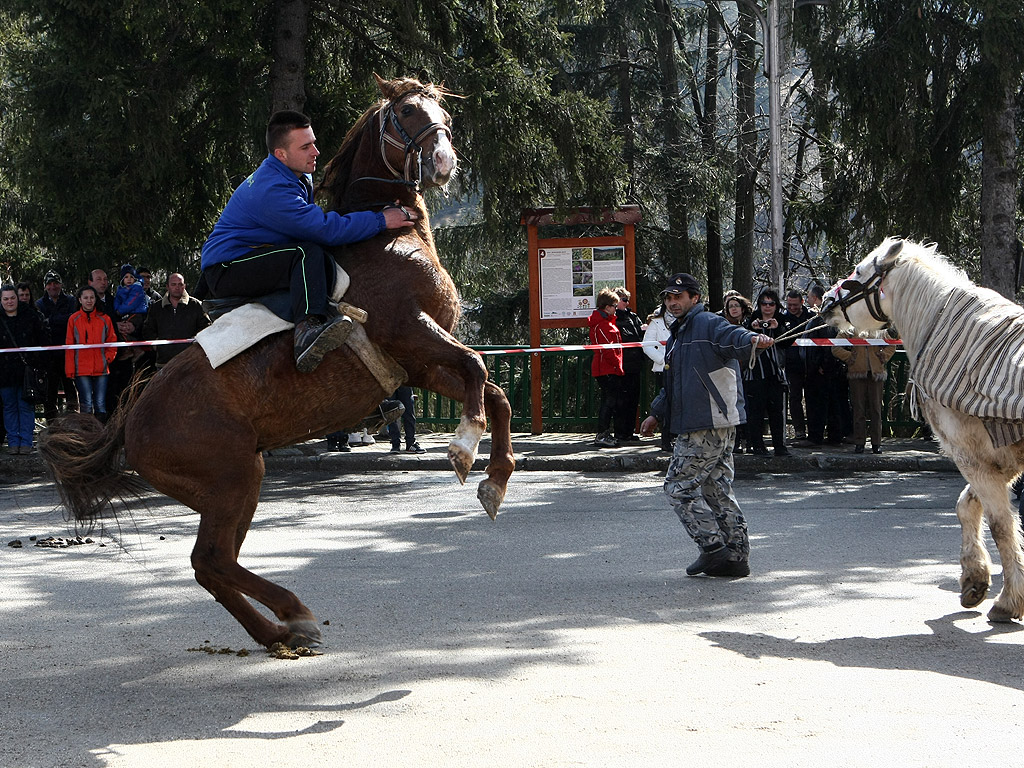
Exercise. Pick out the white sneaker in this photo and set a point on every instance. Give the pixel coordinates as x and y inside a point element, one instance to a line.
<point>361,438</point>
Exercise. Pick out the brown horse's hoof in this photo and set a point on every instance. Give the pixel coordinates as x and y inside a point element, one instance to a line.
<point>972,595</point>
<point>461,461</point>
<point>304,633</point>
<point>491,496</point>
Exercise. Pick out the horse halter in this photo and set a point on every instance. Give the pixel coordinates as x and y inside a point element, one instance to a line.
<point>870,292</point>
<point>409,145</point>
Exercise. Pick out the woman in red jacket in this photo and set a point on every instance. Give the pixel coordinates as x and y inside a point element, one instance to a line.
<point>90,367</point>
<point>606,367</point>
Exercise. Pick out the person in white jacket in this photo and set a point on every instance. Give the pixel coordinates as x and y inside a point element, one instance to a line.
<point>657,330</point>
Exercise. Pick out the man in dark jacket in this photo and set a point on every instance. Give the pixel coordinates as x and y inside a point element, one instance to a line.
<point>702,403</point>
<point>176,316</point>
<point>56,307</point>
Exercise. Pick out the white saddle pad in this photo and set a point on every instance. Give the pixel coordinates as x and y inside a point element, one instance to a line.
<point>241,328</point>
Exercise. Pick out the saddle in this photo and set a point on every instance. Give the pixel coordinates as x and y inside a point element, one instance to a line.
<point>241,321</point>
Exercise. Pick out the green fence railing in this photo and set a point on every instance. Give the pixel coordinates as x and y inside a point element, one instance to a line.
<point>570,396</point>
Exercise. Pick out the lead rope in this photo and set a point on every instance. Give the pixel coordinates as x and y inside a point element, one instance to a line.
<point>793,332</point>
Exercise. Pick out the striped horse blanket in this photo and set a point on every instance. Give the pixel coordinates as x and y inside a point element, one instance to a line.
<point>973,361</point>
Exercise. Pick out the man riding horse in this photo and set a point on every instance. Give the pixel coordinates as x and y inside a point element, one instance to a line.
<point>271,235</point>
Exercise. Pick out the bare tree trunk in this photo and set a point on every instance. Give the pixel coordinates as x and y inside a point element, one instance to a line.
<point>625,92</point>
<point>678,237</point>
<point>999,197</point>
<point>288,69</point>
<point>746,155</point>
<point>709,143</point>
<point>798,180</point>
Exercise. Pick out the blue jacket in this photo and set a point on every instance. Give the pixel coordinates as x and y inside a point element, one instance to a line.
<point>274,207</point>
<point>702,384</point>
<point>131,300</point>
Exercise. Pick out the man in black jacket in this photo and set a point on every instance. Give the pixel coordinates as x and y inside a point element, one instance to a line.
<point>176,316</point>
<point>56,307</point>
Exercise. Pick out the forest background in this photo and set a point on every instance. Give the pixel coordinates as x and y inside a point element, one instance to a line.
<point>125,124</point>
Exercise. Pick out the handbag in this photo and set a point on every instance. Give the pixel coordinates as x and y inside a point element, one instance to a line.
<point>33,387</point>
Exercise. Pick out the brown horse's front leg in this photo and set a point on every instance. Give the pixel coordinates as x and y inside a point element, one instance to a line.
<point>457,372</point>
<point>491,491</point>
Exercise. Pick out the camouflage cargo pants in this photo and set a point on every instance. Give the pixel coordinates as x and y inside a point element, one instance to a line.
<point>699,485</point>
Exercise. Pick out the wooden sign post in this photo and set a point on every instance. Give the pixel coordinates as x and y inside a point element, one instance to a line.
<point>566,274</point>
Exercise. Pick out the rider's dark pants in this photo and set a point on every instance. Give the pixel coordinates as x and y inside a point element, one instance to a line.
<point>303,269</point>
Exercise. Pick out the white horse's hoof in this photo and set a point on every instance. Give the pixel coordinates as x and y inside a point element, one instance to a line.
<point>972,595</point>
<point>999,614</point>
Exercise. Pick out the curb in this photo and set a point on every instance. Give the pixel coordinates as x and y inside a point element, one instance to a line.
<point>309,459</point>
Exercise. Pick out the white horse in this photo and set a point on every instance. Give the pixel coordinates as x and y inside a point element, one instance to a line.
<point>966,351</point>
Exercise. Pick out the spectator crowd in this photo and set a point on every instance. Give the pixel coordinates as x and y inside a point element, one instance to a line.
<point>89,380</point>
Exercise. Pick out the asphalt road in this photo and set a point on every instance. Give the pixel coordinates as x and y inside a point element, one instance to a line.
<point>566,633</point>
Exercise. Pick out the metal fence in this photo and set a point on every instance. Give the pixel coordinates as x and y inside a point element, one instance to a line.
<point>570,396</point>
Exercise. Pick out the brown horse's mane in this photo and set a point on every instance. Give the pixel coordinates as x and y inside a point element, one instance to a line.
<point>339,169</point>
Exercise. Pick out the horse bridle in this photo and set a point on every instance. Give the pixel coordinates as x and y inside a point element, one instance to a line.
<point>869,291</point>
<point>409,145</point>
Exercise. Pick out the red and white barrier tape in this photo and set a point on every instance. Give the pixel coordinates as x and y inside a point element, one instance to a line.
<point>59,347</point>
<point>573,348</point>
<point>856,342</point>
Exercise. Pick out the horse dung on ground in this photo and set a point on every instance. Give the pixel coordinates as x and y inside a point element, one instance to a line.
<point>197,433</point>
<point>966,350</point>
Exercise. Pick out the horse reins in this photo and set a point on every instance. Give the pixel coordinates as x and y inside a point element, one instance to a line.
<point>409,145</point>
<point>869,291</point>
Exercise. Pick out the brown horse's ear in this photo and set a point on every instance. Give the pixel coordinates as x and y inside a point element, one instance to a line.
<point>385,86</point>
<point>890,256</point>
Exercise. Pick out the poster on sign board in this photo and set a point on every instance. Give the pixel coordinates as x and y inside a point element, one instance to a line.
<point>571,278</point>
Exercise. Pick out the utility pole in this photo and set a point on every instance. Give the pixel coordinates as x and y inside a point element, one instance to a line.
<point>771,28</point>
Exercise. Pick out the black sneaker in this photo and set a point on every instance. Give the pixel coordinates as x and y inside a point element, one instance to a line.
<point>606,441</point>
<point>708,560</point>
<point>734,569</point>
<point>387,412</point>
<point>415,448</point>
<point>314,338</point>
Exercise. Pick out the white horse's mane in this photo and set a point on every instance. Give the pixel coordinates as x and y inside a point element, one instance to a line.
<point>928,256</point>
<point>923,279</point>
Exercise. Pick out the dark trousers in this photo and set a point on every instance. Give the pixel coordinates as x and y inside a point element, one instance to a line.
<point>55,382</point>
<point>765,397</point>
<point>629,401</point>
<point>404,396</point>
<point>667,438</point>
<point>816,395</point>
<point>839,405</point>
<point>303,269</point>
<point>795,377</point>
<point>611,394</point>
<point>121,372</point>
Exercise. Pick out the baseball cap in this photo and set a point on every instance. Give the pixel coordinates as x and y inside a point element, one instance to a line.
<point>51,277</point>
<point>680,282</point>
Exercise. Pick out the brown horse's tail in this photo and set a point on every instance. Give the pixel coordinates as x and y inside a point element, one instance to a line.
<point>86,461</point>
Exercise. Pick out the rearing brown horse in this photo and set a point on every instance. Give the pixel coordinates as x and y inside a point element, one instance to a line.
<point>197,433</point>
